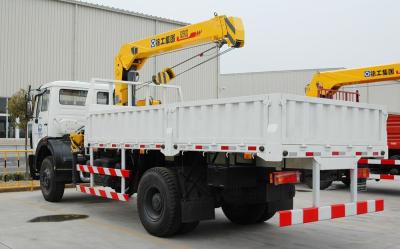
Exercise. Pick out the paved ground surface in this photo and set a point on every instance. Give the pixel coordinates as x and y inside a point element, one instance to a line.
<point>113,224</point>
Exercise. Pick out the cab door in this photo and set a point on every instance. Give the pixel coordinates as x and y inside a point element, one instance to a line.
<point>41,120</point>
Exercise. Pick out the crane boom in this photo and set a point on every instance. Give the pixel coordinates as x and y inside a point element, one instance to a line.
<point>132,56</point>
<point>333,80</point>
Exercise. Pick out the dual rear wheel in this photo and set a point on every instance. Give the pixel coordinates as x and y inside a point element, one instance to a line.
<point>247,214</point>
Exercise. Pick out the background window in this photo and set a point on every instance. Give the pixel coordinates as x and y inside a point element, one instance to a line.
<point>102,98</point>
<point>72,97</point>
<point>3,123</point>
<point>3,105</point>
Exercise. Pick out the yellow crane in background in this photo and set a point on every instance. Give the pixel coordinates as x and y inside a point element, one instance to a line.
<point>326,84</point>
<point>132,56</point>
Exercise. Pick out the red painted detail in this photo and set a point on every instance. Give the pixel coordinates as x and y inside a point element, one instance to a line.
<point>252,148</point>
<point>224,147</point>
<point>102,193</point>
<point>114,195</point>
<point>113,145</point>
<point>335,153</point>
<point>358,153</point>
<point>362,207</point>
<point>192,35</point>
<point>92,191</point>
<point>375,153</point>
<point>309,153</point>
<point>388,162</point>
<point>285,218</point>
<point>198,147</point>
<point>127,145</point>
<point>158,146</point>
<point>386,177</point>
<point>338,211</point>
<point>379,205</point>
<point>112,171</point>
<point>101,145</point>
<point>310,214</point>
<point>363,161</point>
<point>142,146</point>
<point>101,170</point>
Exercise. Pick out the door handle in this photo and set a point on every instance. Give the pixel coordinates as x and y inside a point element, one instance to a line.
<point>45,124</point>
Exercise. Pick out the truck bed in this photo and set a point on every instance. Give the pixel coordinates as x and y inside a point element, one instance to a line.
<point>273,126</point>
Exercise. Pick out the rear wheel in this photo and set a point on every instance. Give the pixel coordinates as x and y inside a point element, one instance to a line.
<point>158,202</point>
<point>266,215</point>
<point>52,190</point>
<point>324,184</point>
<point>244,214</point>
<point>188,227</point>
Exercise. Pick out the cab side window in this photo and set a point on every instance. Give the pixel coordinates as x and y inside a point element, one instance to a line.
<point>102,98</point>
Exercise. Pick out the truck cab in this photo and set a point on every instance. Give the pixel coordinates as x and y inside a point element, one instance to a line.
<point>59,108</point>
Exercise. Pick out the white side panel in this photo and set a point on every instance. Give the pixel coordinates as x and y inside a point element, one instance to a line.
<point>320,121</point>
<point>227,121</point>
<point>276,122</point>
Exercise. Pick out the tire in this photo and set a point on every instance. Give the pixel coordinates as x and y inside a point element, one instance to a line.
<point>244,214</point>
<point>187,227</point>
<point>266,215</point>
<point>322,185</point>
<point>158,202</point>
<point>52,190</point>
<point>346,182</point>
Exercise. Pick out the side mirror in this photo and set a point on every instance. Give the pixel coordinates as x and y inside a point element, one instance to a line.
<point>29,105</point>
<point>29,109</point>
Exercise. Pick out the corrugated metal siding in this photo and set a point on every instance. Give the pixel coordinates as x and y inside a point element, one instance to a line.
<point>295,81</point>
<point>47,40</point>
<point>35,44</point>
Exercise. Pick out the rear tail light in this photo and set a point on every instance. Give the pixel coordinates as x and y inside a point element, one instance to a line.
<point>284,177</point>
<point>363,173</point>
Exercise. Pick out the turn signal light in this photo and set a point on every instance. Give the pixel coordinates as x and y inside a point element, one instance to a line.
<point>284,177</point>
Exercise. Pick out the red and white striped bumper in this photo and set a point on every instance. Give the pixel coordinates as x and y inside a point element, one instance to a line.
<point>306,215</point>
<point>385,177</point>
<point>103,192</point>
<point>379,161</point>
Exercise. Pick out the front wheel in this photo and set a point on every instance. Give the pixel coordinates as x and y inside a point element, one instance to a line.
<point>52,190</point>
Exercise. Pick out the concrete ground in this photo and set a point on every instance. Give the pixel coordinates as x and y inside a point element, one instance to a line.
<point>112,224</point>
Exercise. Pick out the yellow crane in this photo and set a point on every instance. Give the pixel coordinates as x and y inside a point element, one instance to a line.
<point>326,84</point>
<point>132,56</point>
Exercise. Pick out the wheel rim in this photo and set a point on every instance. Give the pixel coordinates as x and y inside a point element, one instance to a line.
<point>46,179</point>
<point>153,204</point>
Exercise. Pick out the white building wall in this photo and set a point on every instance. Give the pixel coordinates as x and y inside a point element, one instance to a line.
<point>47,40</point>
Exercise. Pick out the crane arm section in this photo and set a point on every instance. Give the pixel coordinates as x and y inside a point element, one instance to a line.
<point>333,80</point>
<point>132,56</point>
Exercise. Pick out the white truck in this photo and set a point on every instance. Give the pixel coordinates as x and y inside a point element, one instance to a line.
<point>184,159</point>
